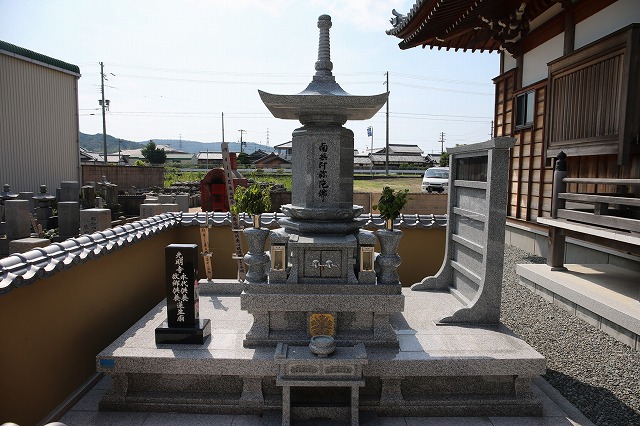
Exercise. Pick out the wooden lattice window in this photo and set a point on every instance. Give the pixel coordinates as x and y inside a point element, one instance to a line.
<point>593,98</point>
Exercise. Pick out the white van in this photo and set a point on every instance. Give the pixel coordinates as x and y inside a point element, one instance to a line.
<point>436,179</point>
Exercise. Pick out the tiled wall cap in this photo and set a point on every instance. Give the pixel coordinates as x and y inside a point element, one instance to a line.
<point>24,268</point>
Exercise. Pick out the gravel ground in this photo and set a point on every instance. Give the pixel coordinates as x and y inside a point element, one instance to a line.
<point>595,372</point>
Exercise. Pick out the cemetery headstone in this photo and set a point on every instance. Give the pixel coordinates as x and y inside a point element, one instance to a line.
<point>18,223</point>
<point>150,209</point>
<point>182,200</point>
<point>88,197</point>
<point>69,191</point>
<point>29,197</point>
<point>183,324</point>
<point>166,198</point>
<point>169,207</point>
<point>94,220</point>
<point>68,219</point>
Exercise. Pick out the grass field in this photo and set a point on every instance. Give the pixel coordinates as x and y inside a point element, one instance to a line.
<point>413,184</point>
<point>360,183</point>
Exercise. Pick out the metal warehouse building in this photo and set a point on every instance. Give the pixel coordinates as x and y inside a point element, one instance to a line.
<point>38,120</point>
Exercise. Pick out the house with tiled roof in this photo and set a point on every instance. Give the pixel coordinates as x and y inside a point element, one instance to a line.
<point>400,156</point>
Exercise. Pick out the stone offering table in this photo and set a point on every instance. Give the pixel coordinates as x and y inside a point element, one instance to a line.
<point>299,368</point>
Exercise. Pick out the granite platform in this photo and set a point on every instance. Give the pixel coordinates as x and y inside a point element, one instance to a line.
<point>450,370</point>
<point>604,295</point>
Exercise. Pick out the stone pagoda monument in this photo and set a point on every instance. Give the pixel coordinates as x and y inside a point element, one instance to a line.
<point>324,277</point>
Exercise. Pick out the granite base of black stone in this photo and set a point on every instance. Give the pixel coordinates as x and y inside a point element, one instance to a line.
<point>181,335</point>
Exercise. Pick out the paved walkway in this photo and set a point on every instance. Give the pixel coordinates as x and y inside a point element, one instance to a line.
<point>557,411</point>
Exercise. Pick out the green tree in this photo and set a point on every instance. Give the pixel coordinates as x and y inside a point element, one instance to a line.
<point>243,158</point>
<point>444,159</point>
<point>153,154</point>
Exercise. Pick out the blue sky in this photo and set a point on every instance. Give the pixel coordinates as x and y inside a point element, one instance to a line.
<point>174,67</point>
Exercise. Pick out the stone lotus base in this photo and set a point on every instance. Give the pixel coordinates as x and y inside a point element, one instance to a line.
<point>435,371</point>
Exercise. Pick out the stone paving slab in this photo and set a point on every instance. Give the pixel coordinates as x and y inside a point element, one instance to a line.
<point>556,411</point>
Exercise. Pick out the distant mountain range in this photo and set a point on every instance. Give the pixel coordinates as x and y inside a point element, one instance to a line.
<point>95,144</point>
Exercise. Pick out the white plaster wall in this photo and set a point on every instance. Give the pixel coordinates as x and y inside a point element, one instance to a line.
<point>509,62</point>
<point>535,61</point>
<point>617,16</point>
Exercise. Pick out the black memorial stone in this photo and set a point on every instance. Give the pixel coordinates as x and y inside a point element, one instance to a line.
<point>183,324</point>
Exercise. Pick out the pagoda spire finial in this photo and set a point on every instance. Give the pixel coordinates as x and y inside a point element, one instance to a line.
<point>324,64</point>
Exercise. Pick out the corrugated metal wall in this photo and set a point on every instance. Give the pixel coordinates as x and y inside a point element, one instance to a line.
<point>38,126</point>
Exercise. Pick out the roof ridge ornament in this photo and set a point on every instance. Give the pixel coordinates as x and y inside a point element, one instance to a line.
<point>398,18</point>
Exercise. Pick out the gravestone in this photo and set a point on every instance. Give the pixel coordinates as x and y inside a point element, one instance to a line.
<point>18,219</point>
<point>94,220</point>
<point>166,198</point>
<point>68,219</point>
<point>69,191</point>
<point>29,197</point>
<point>88,197</point>
<point>474,254</point>
<point>150,209</point>
<point>182,200</point>
<point>169,207</point>
<point>110,193</point>
<point>183,324</point>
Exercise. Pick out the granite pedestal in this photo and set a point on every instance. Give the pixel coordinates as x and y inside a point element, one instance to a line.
<point>454,370</point>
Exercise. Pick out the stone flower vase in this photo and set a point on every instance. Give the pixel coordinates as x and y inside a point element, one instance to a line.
<point>256,258</point>
<point>388,260</point>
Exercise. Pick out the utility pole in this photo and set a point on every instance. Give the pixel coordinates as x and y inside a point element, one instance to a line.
<point>386,160</point>
<point>267,136</point>
<point>442,142</point>
<point>491,133</point>
<point>242,132</point>
<point>104,120</point>
<point>119,151</point>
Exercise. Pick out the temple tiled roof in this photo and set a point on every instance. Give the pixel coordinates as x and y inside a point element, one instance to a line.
<point>485,25</point>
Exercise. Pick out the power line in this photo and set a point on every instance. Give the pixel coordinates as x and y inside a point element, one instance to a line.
<point>410,115</point>
<point>438,89</point>
<point>302,74</point>
<point>443,80</point>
